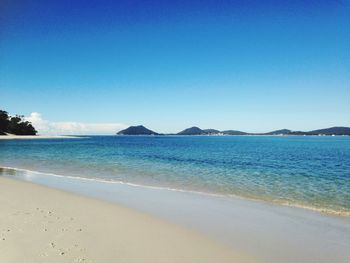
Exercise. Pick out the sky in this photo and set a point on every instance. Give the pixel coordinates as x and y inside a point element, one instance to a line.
<point>95,67</point>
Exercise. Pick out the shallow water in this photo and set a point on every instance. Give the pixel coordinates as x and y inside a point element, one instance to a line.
<point>272,233</point>
<point>311,172</point>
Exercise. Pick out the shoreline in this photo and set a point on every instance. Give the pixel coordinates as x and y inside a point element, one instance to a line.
<point>269,232</point>
<point>321,211</point>
<point>56,228</point>
<point>30,137</point>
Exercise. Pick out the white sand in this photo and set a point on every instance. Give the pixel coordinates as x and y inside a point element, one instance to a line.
<point>40,224</point>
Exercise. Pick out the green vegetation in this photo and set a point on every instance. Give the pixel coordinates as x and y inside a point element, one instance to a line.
<point>141,130</point>
<point>192,131</point>
<point>15,125</point>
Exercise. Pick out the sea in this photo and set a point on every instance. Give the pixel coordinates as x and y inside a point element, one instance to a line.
<point>312,172</point>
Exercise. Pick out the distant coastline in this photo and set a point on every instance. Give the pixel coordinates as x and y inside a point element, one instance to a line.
<point>333,131</point>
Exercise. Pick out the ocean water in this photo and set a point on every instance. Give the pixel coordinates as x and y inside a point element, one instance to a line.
<point>310,172</point>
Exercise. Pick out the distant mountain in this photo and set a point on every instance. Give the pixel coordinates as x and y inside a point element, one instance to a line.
<point>279,132</point>
<point>141,130</point>
<point>327,131</point>
<point>137,130</point>
<point>192,131</point>
<point>331,131</point>
<point>211,131</point>
<point>233,132</point>
<point>198,131</point>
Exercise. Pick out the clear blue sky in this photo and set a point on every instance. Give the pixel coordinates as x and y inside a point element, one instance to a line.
<point>246,65</point>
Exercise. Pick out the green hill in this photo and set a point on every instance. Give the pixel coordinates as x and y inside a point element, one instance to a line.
<point>192,131</point>
<point>137,130</point>
<point>331,131</point>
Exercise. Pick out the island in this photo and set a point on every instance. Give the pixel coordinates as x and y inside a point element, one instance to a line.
<point>137,130</point>
<point>196,131</point>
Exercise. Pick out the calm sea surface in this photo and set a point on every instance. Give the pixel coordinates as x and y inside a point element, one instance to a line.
<point>311,172</point>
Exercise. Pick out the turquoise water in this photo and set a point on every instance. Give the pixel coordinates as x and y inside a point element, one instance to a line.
<point>310,172</point>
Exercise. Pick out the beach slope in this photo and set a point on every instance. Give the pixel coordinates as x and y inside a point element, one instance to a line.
<point>39,224</point>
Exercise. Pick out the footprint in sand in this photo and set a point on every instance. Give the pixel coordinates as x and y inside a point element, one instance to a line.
<point>3,235</point>
<point>80,260</point>
<point>63,251</point>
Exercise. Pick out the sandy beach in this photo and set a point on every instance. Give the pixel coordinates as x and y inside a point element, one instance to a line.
<point>40,224</point>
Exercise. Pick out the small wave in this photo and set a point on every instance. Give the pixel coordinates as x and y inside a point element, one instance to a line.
<point>276,202</point>
<point>114,182</point>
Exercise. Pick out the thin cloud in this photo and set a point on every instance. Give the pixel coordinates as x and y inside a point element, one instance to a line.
<point>72,128</point>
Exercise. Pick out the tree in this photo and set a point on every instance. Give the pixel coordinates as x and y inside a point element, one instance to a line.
<point>20,127</point>
<point>15,125</point>
<point>4,121</point>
